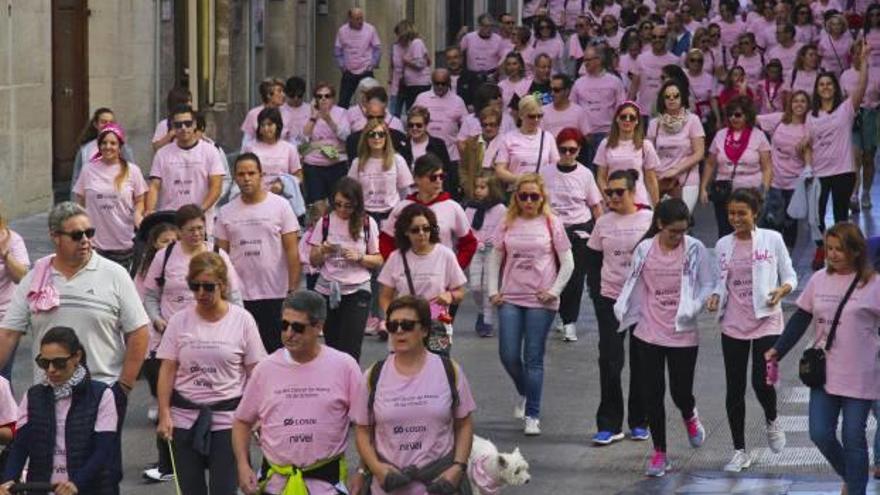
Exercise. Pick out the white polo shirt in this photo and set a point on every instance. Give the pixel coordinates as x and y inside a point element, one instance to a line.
<point>99,303</point>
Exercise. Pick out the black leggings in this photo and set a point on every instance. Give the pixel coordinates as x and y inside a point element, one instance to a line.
<point>267,313</point>
<point>612,359</point>
<point>191,465</point>
<point>840,187</point>
<point>681,362</point>
<point>570,299</point>
<point>345,324</point>
<point>736,362</point>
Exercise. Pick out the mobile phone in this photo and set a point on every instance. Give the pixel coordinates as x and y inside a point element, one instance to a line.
<point>772,375</point>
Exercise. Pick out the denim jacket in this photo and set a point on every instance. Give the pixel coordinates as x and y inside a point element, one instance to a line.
<point>696,285</point>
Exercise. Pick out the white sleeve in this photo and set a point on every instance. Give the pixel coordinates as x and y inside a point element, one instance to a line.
<point>566,268</point>
<point>494,271</point>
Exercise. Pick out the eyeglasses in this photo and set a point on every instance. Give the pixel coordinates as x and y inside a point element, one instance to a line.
<point>206,286</point>
<point>437,177</point>
<point>180,124</point>
<point>415,125</point>
<point>375,117</point>
<point>617,191</point>
<point>342,206</point>
<point>296,326</point>
<point>323,96</point>
<point>57,363</point>
<point>568,150</point>
<point>557,90</point>
<point>424,229</point>
<point>77,235</point>
<point>525,197</point>
<point>695,60</point>
<point>376,134</point>
<point>672,96</point>
<point>535,116</point>
<point>393,326</point>
<point>627,117</point>
<point>737,115</point>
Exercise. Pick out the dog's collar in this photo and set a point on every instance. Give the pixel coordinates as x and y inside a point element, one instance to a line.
<point>483,479</point>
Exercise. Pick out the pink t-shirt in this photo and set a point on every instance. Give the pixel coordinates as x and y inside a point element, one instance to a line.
<point>382,188</point>
<point>451,220</point>
<point>432,273</point>
<point>110,209</point>
<point>770,96</point>
<point>572,193</point>
<point>161,130</point>
<point>803,81</point>
<point>482,54</point>
<point>509,88</point>
<point>648,67</point>
<point>396,69</point>
<point>350,275</point>
<point>835,52</point>
<point>557,120</point>
<point>176,295</point>
<point>753,66</point>
<point>275,159</point>
<point>849,80</point>
<point>417,54</point>
<point>418,150</point>
<point>530,248</point>
<point>739,320</point>
<point>730,31</point>
<point>852,369</point>
<point>805,34</point>
<point>105,422</point>
<point>255,247</point>
<point>626,66</point>
<point>661,286</point>
<point>786,56</point>
<point>447,113</point>
<point>520,151</point>
<point>624,157</point>
<point>185,174</point>
<point>831,143</point>
<point>553,47</point>
<point>212,360</point>
<point>673,148</point>
<point>323,135</point>
<point>357,47</point>
<point>413,416</point>
<point>703,89</point>
<point>491,219</point>
<point>18,251</point>
<point>616,236</point>
<point>303,409</point>
<point>787,163</point>
<point>295,119</point>
<point>8,407</point>
<point>748,169</point>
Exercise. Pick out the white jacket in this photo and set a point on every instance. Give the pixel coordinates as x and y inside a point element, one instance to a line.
<point>771,268</point>
<point>696,285</point>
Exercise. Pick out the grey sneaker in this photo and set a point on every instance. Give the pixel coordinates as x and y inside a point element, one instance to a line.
<point>740,461</point>
<point>519,410</point>
<point>533,426</point>
<point>775,436</point>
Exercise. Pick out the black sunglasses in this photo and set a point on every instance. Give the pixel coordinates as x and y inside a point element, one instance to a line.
<point>323,96</point>
<point>77,235</point>
<point>524,197</point>
<point>627,117</point>
<point>568,150</point>
<point>180,124</point>
<point>415,125</point>
<point>296,326</point>
<point>57,363</point>
<point>424,229</point>
<point>206,286</point>
<point>393,326</point>
<point>614,192</point>
<point>376,134</point>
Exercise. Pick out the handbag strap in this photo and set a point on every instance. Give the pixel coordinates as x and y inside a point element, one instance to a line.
<point>409,280</point>
<point>540,153</point>
<point>836,320</point>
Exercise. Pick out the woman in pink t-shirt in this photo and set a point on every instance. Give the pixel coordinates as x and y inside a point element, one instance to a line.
<point>755,274</point>
<point>382,173</point>
<point>324,162</point>
<point>626,148</point>
<point>704,91</point>
<point>852,370</point>
<point>668,283</point>
<point>547,41</point>
<point>485,212</point>
<point>416,413</point>
<point>804,26</point>
<point>770,92</point>
<point>345,245</point>
<point>680,142</point>
<point>739,156</point>
<point>277,156</point>
<point>834,44</point>
<point>528,148</point>
<point>806,70</point>
<point>535,253</point>
<point>516,81</point>
<point>415,61</point>
<point>112,190</point>
<point>208,351</point>
<point>749,58</point>
<point>611,245</point>
<point>272,96</point>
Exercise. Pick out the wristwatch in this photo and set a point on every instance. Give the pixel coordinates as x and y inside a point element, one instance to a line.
<point>462,464</point>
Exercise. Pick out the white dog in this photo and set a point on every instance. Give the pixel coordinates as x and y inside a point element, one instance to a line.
<point>489,470</point>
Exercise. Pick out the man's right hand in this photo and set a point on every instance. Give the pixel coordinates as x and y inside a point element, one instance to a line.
<point>247,480</point>
<point>159,324</point>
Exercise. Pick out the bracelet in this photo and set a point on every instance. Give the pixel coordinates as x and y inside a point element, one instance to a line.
<point>463,465</point>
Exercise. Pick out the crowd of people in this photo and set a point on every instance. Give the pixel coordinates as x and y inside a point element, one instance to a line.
<point>539,160</point>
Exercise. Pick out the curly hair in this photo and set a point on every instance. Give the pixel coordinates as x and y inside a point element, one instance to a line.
<point>404,221</point>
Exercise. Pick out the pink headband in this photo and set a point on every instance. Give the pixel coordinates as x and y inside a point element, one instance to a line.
<point>628,103</point>
<point>116,129</point>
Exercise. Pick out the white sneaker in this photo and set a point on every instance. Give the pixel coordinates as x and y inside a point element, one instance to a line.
<point>569,333</point>
<point>740,461</point>
<point>153,414</point>
<point>775,436</point>
<point>519,410</point>
<point>557,324</point>
<point>154,475</point>
<point>533,426</point>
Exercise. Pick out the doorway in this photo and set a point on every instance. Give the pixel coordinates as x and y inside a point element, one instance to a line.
<point>70,89</point>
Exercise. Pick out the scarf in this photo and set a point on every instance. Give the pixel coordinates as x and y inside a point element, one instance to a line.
<point>482,479</point>
<point>42,294</point>
<point>672,124</point>
<point>734,148</point>
<point>480,209</point>
<point>65,389</point>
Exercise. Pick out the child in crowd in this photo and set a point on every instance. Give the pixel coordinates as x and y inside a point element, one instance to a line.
<point>484,213</point>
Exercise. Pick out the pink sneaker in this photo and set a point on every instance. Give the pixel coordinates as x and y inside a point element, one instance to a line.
<point>658,465</point>
<point>696,432</point>
<point>372,326</point>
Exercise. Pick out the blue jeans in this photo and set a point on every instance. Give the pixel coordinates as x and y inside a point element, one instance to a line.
<point>849,460</point>
<point>877,434</point>
<point>522,335</point>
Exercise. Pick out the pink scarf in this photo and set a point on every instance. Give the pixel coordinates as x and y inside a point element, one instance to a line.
<point>734,148</point>
<point>42,295</point>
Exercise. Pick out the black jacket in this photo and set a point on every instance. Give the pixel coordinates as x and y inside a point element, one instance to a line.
<point>467,85</point>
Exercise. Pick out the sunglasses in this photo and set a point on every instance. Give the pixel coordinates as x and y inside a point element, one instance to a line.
<point>376,134</point>
<point>415,125</point>
<point>77,235</point>
<point>614,192</point>
<point>672,96</point>
<point>737,115</point>
<point>342,206</point>
<point>57,363</point>
<point>180,124</point>
<point>296,326</point>
<point>393,326</point>
<point>535,116</point>
<point>568,150</point>
<point>206,286</point>
<point>528,197</point>
<point>695,60</point>
<point>424,229</point>
<point>375,117</point>
<point>323,96</point>
<point>437,177</point>
<point>627,117</point>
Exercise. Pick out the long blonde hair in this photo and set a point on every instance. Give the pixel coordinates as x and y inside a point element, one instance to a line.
<point>364,146</point>
<point>514,211</point>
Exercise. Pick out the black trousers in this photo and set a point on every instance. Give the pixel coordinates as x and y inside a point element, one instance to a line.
<point>612,358</point>
<point>655,360</point>
<point>570,299</point>
<point>191,465</point>
<point>348,85</point>
<point>267,312</point>
<point>840,187</point>
<point>736,361</point>
<point>344,328</point>
<point>320,180</point>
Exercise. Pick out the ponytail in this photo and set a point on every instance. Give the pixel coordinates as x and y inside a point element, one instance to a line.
<point>122,176</point>
<point>668,211</point>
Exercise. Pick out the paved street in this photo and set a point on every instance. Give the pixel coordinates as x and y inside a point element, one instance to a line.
<point>562,459</point>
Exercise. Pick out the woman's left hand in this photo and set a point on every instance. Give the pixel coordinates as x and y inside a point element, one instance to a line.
<point>545,297</point>
<point>445,299</point>
<point>351,255</point>
<point>776,295</point>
